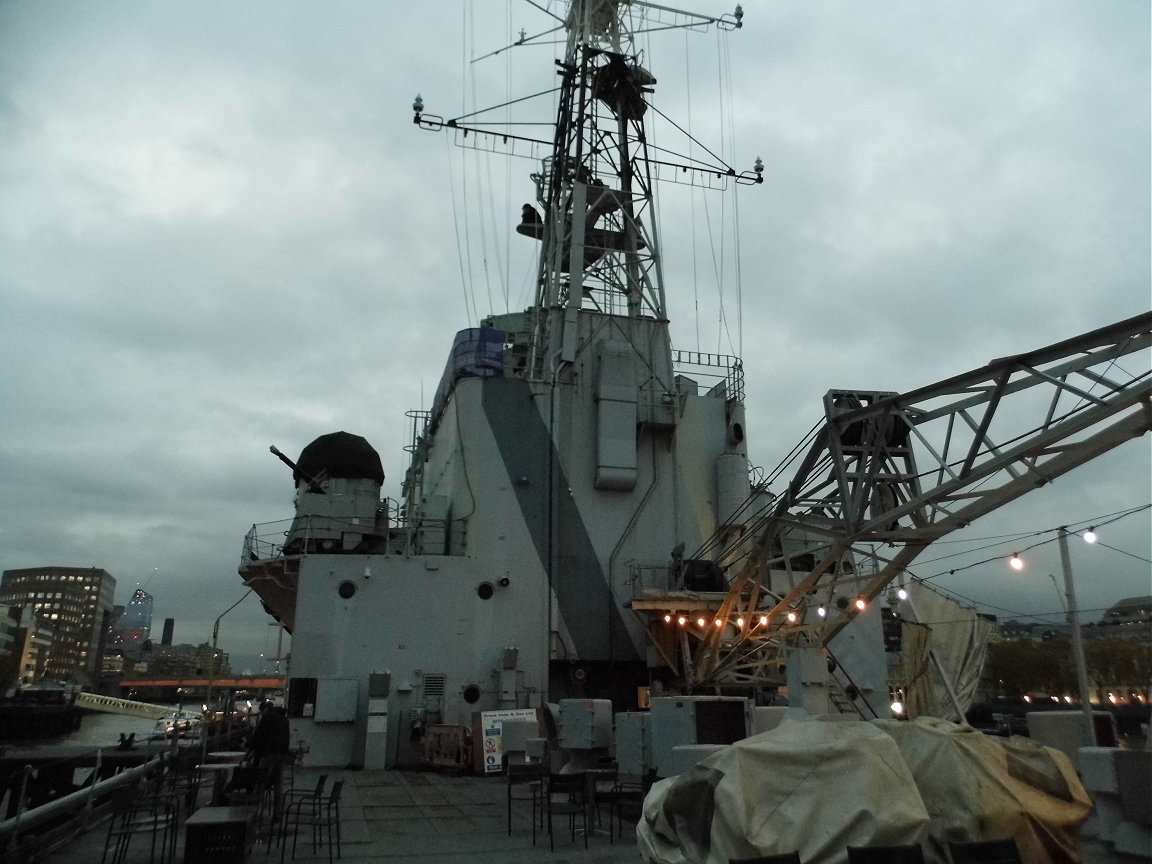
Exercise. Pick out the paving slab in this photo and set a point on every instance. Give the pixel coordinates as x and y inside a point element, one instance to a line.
<point>427,818</point>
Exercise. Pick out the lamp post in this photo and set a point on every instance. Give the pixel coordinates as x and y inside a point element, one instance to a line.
<point>1077,642</point>
<point>213,663</point>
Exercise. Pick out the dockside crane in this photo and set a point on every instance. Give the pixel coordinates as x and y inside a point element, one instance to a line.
<point>886,474</point>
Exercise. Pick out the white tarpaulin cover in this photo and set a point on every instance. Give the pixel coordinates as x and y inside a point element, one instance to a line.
<point>817,787</point>
<point>978,787</point>
<point>809,786</point>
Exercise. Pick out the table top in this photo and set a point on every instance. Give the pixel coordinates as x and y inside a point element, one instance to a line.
<point>220,815</point>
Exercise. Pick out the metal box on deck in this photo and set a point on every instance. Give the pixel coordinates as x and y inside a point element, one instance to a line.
<point>633,752</point>
<point>677,720</point>
<point>585,724</point>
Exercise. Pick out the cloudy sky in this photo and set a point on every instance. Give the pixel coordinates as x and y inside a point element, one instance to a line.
<point>220,230</point>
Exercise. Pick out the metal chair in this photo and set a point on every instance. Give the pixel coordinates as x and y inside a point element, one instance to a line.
<point>320,815</point>
<point>985,852</point>
<point>572,802</point>
<point>250,786</point>
<point>523,782</point>
<point>626,792</point>
<point>294,797</point>
<point>134,812</point>
<point>911,854</point>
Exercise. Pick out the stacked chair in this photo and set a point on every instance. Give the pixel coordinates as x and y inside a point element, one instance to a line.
<point>319,815</point>
<point>138,810</point>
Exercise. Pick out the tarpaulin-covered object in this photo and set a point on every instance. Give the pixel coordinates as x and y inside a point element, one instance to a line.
<point>817,787</point>
<point>977,787</point>
<point>810,786</point>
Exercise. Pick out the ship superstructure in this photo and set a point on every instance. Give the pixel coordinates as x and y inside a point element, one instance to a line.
<point>577,516</point>
<point>569,460</point>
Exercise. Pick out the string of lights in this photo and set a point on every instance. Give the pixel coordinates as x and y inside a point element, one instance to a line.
<point>1016,562</point>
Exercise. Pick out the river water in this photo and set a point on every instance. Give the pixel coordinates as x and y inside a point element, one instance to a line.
<point>99,730</point>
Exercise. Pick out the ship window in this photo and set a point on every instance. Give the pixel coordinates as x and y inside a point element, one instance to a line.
<point>346,589</point>
<point>471,694</point>
<point>485,590</point>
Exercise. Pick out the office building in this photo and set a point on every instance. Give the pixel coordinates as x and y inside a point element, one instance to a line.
<point>73,604</point>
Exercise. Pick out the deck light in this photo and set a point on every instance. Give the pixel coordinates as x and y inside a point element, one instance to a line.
<point>1016,562</point>
<point>739,622</point>
<point>791,616</point>
<point>700,621</point>
<point>861,604</point>
<point>821,611</point>
<point>763,620</point>
<point>902,593</point>
<point>681,620</point>
<point>1090,535</point>
<point>667,617</point>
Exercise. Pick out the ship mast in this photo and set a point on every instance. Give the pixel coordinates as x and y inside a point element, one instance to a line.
<point>594,212</point>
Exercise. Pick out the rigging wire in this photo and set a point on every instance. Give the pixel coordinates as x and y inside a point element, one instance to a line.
<point>456,227</point>
<point>728,100</point>
<point>692,193</point>
<point>470,303</point>
<point>481,171</point>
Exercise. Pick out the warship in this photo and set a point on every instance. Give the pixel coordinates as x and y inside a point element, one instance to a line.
<point>578,516</point>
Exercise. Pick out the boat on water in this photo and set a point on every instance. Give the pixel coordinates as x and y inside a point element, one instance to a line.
<point>178,724</point>
<point>578,516</point>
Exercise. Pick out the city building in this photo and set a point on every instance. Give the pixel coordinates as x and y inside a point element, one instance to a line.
<point>186,661</point>
<point>72,604</point>
<point>134,626</point>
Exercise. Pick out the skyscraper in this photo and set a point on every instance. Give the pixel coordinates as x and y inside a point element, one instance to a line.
<point>135,626</point>
<point>72,602</point>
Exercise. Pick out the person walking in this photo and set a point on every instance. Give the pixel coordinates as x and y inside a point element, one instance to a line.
<point>270,747</point>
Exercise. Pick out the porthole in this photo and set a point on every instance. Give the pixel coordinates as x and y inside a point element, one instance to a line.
<point>346,589</point>
<point>471,694</point>
<point>485,590</point>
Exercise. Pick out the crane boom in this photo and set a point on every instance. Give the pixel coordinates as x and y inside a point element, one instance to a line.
<point>888,470</point>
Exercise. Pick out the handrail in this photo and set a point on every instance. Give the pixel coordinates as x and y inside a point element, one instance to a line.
<point>78,800</point>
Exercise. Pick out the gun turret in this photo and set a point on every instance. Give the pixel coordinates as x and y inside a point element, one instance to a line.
<point>313,483</point>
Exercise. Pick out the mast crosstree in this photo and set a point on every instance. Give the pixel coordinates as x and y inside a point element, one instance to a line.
<point>594,203</point>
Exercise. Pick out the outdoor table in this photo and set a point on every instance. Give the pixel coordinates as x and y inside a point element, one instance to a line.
<point>219,835</point>
<point>220,772</point>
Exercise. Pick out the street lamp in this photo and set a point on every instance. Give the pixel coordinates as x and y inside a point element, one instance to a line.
<point>213,664</point>
<point>1077,642</point>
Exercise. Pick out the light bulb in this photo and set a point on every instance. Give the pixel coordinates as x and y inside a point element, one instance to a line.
<point>1090,535</point>
<point>1016,562</point>
<point>700,622</point>
<point>681,620</point>
<point>763,620</point>
<point>718,623</point>
<point>897,708</point>
<point>739,622</point>
<point>861,604</point>
<point>792,616</point>
<point>668,618</point>
<point>902,593</point>
<point>821,611</point>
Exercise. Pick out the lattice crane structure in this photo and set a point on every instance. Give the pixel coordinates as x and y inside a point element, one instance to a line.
<point>886,474</point>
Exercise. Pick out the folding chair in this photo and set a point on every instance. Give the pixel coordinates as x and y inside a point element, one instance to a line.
<point>572,802</point>
<point>985,852</point>
<point>523,782</point>
<point>783,858</point>
<point>911,854</point>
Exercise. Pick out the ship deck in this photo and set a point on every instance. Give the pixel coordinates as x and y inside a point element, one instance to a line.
<point>412,816</point>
